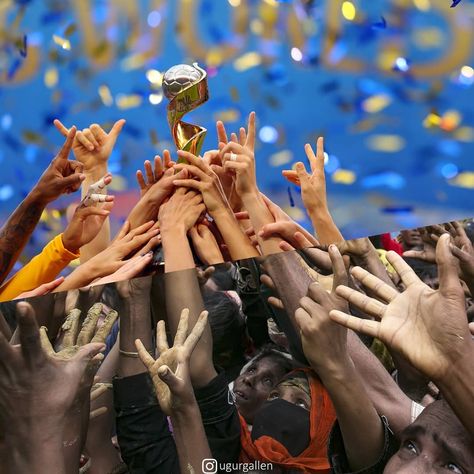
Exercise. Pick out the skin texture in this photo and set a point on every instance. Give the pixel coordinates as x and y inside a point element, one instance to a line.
<point>253,387</point>
<point>61,176</point>
<point>37,396</point>
<point>92,148</point>
<point>171,378</point>
<point>313,193</point>
<point>435,442</point>
<point>428,327</point>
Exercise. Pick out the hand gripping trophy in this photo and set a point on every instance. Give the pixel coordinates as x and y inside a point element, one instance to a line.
<point>186,88</point>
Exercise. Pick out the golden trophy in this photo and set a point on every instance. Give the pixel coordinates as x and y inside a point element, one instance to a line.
<point>186,88</point>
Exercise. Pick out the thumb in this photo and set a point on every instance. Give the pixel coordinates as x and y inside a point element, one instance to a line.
<point>116,129</point>
<point>169,378</point>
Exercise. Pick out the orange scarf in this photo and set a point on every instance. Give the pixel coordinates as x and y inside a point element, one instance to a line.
<point>314,458</point>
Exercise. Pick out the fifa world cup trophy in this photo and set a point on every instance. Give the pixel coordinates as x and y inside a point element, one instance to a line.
<point>186,88</point>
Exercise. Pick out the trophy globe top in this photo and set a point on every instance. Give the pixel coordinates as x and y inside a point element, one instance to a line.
<point>180,77</point>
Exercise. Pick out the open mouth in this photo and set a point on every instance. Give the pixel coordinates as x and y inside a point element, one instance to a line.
<point>240,395</point>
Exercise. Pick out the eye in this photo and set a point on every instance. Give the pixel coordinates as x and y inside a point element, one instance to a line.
<point>411,447</point>
<point>302,403</point>
<point>267,381</point>
<point>273,395</point>
<point>251,370</point>
<point>454,468</point>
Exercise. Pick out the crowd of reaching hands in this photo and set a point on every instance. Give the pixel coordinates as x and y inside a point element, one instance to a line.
<point>213,326</point>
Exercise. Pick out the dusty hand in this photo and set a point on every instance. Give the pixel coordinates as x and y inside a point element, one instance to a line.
<point>170,372</point>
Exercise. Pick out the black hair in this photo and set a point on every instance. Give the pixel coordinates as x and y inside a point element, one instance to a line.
<point>272,351</point>
<point>227,328</point>
<point>424,270</point>
<point>223,279</point>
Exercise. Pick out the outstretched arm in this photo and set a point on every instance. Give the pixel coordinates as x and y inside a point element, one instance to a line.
<point>61,176</point>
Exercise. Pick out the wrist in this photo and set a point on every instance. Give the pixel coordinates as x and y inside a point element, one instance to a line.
<point>249,195</point>
<point>96,171</point>
<point>185,411</point>
<point>172,230</point>
<point>319,214</point>
<point>68,244</point>
<point>335,369</point>
<point>36,196</point>
<point>460,370</point>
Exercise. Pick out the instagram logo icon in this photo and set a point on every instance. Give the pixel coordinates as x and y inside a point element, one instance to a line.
<point>209,466</point>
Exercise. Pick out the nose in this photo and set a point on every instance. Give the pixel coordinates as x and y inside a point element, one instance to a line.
<point>248,380</point>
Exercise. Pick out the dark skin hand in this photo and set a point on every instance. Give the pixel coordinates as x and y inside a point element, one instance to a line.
<point>61,176</point>
<point>37,390</point>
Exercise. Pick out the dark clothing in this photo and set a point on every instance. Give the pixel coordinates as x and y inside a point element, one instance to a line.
<point>146,443</point>
<point>145,439</point>
<point>220,419</point>
<point>337,454</point>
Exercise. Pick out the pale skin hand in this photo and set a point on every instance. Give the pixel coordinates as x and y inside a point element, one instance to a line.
<point>43,289</point>
<point>112,258</point>
<point>313,193</point>
<point>153,173</point>
<point>429,328</point>
<point>205,245</point>
<point>243,166</point>
<point>170,372</point>
<point>92,146</point>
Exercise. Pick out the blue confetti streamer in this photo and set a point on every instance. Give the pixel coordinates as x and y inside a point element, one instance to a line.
<point>290,196</point>
<point>455,3</point>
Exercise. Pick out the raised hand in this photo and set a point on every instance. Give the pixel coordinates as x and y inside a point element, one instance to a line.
<point>170,372</point>
<point>181,211</point>
<point>92,146</point>
<point>63,176</point>
<point>208,183</point>
<point>313,185</point>
<point>74,336</point>
<point>85,225</point>
<point>324,341</point>
<point>428,327</point>
<point>205,245</point>
<point>37,392</point>
<point>238,158</point>
<point>153,173</point>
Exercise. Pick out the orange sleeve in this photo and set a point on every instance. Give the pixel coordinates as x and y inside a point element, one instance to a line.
<point>43,268</point>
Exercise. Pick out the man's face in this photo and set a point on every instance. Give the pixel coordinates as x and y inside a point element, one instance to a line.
<point>434,443</point>
<point>252,387</point>
<point>411,239</point>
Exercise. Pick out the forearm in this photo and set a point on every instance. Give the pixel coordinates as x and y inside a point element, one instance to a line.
<point>355,414</point>
<point>291,278</point>
<point>387,397</point>
<point>135,323</point>
<point>457,388</point>
<point>35,452</point>
<point>237,242</point>
<point>17,230</point>
<point>182,291</point>
<point>79,278</point>
<point>324,226</point>
<point>260,215</point>
<point>102,240</point>
<point>43,268</point>
<point>176,250</point>
<point>145,210</point>
<point>190,438</point>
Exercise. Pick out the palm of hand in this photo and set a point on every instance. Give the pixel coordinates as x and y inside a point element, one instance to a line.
<point>409,325</point>
<point>173,358</point>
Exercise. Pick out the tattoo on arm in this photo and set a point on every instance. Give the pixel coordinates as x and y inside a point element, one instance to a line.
<point>15,234</point>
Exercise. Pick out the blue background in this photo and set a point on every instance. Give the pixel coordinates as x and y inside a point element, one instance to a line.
<point>426,181</point>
